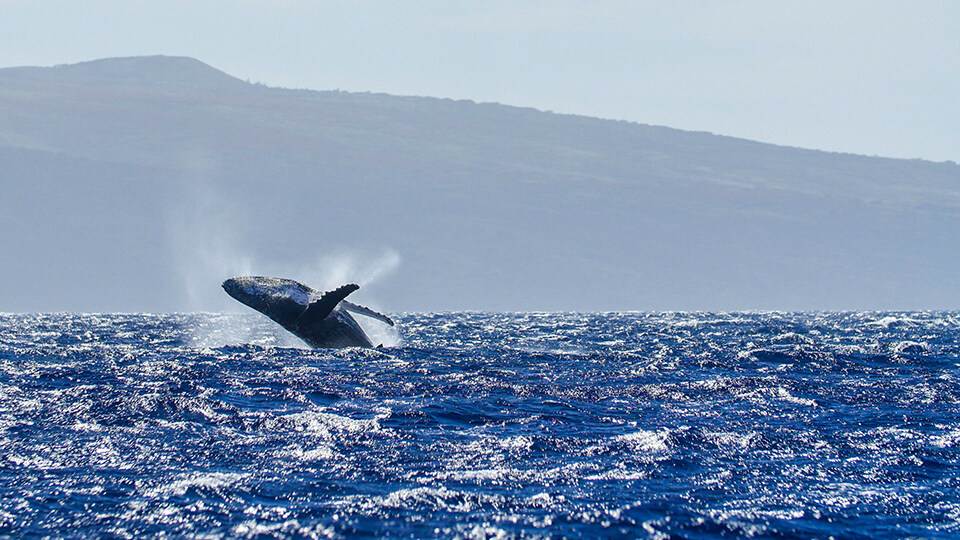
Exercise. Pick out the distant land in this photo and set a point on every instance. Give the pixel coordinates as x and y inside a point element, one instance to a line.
<point>138,184</point>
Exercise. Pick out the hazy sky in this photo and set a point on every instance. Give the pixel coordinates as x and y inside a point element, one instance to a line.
<point>878,78</point>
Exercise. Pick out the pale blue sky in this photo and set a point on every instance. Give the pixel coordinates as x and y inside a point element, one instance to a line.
<point>876,78</point>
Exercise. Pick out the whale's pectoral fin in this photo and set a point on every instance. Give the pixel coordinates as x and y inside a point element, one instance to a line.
<point>319,310</point>
<point>350,306</point>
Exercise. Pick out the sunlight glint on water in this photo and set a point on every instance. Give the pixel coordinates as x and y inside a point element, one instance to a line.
<point>479,425</point>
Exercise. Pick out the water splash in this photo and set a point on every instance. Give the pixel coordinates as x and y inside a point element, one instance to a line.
<point>206,239</point>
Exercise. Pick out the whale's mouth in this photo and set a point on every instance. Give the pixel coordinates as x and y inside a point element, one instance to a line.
<point>245,292</point>
<point>233,287</point>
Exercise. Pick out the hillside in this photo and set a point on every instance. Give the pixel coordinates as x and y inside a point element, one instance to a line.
<point>137,184</point>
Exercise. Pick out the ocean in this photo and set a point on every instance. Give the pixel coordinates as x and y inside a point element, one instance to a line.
<point>483,425</point>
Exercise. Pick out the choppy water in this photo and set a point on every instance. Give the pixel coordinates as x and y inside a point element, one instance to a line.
<point>483,425</point>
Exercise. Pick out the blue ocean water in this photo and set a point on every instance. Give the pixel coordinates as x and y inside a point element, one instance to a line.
<point>480,425</point>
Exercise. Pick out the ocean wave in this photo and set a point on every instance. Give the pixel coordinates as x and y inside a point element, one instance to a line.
<point>483,425</point>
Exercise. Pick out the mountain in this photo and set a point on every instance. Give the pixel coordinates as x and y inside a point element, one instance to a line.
<point>138,184</point>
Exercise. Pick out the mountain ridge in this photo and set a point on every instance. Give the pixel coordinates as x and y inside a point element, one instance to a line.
<point>171,70</point>
<point>165,71</point>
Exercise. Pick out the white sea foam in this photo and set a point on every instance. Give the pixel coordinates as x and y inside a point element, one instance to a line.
<point>641,442</point>
<point>517,443</point>
<point>437,498</point>
<point>34,461</point>
<point>735,440</point>
<point>616,475</point>
<point>546,500</point>
<point>785,395</point>
<point>891,320</point>
<point>646,441</point>
<point>482,532</point>
<point>291,528</point>
<point>950,439</point>
<point>178,487</point>
<point>299,453</point>
<point>481,475</point>
<point>329,426</point>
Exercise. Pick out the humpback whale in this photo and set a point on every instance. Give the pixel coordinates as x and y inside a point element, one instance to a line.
<point>322,320</point>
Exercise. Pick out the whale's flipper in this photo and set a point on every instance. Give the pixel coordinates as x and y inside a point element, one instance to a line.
<point>350,306</point>
<point>319,310</point>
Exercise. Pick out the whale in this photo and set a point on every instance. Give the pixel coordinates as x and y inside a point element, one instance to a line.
<point>320,319</point>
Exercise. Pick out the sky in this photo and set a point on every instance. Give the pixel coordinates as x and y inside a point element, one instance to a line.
<point>874,78</point>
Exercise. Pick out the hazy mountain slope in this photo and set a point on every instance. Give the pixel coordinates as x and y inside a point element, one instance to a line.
<point>137,184</point>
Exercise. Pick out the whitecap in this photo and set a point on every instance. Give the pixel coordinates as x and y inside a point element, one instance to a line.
<point>213,481</point>
<point>946,440</point>
<point>328,425</point>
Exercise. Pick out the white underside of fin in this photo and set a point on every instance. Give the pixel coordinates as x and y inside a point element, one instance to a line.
<point>360,310</point>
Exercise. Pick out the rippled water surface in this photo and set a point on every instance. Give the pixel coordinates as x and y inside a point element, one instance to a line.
<point>483,426</point>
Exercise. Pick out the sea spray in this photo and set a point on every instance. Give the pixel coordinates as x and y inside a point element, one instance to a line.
<point>206,236</point>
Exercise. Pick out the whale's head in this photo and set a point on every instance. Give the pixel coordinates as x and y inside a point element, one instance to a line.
<point>242,289</point>
<point>283,300</point>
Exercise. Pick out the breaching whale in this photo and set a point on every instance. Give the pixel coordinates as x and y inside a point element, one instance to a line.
<point>320,319</point>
